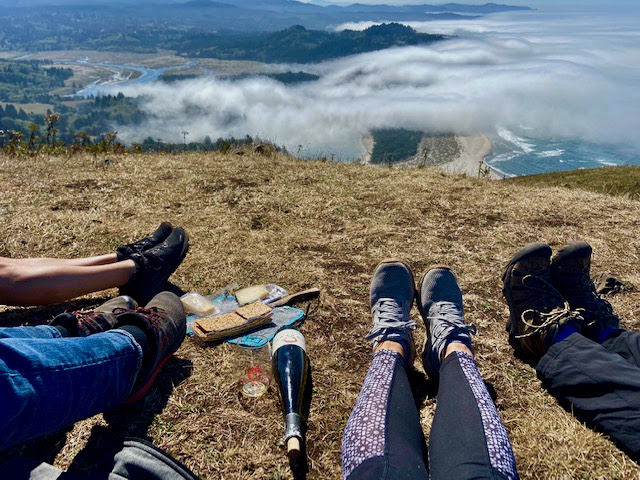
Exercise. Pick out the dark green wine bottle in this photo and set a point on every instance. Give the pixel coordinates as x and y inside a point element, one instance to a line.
<point>290,370</point>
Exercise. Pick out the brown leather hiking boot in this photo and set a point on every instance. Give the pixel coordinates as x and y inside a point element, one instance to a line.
<point>164,323</point>
<point>570,275</point>
<point>537,309</point>
<point>83,323</point>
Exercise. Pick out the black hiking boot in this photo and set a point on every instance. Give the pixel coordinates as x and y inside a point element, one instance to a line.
<point>570,275</point>
<point>83,323</point>
<point>537,309</point>
<point>162,232</point>
<point>155,266</point>
<point>164,323</point>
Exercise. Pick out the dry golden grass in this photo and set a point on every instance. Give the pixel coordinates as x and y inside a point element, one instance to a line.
<point>255,219</point>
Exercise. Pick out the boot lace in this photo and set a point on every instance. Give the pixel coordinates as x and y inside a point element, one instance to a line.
<point>553,309</point>
<point>388,314</point>
<point>557,316</point>
<point>448,323</point>
<point>596,309</point>
<point>155,315</point>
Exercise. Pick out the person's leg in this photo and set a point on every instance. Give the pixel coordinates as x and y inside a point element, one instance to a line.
<point>38,331</point>
<point>468,439</point>
<point>599,383</point>
<point>383,438</point>
<point>123,252</point>
<point>601,386</point>
<point>139,268</point>
<point>70,262</point>
<point>624,343</point>
<point>49,383</point>
<point>35,284</point>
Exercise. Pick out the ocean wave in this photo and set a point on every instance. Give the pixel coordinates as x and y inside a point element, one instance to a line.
<point>519,142</point>
<point>504,157</point>
<point>550,153</point>
<point>605,162</point>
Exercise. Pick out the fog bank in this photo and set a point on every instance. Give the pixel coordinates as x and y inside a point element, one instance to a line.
<point>550,73</point>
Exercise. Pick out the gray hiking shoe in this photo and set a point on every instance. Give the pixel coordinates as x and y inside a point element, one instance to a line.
<point>83,323</point>
<point>571,277</point>
<point>391,297</point>
<point>537,310</point>
<point>440,304</point>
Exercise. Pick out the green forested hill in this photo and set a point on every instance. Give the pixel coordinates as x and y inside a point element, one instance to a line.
<point>297,44</point>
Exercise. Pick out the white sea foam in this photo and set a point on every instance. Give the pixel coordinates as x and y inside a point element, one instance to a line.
<point>550,153</point>
<point>504,157</point>
<point>606,162</point>
<point>519,142</point>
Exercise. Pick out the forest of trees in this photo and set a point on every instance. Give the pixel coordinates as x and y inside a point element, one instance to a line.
<point>30,81</point>
<point>299,45</point>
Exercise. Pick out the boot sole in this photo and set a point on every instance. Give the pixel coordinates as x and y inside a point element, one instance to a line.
<point>140,394</point>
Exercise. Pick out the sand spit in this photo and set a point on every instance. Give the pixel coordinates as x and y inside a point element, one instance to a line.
<point>451,153</point>
<point>470,161</point>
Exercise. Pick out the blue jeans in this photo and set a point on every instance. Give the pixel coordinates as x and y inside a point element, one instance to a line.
<point>48,382</point>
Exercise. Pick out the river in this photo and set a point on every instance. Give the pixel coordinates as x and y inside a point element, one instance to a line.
<point>119,80</point>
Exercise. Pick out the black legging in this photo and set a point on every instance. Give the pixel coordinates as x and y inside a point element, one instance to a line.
<point>383,438</point>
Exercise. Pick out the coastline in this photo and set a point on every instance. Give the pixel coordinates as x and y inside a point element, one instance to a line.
<point>473,150</point>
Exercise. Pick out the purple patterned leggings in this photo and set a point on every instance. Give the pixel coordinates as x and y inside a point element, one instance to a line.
<point>383,438</point>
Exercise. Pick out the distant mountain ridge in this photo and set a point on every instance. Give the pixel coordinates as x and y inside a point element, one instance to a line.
<point>238,15</point>
<point>299,45</point>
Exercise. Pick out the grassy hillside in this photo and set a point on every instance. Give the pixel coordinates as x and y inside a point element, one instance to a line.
<point>270,218</point>
<point>620,181</point>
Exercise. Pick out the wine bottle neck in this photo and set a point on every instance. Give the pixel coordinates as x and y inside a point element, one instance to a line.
<point>293,426</point>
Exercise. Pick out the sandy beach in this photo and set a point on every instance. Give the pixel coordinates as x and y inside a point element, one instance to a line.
<point>473,150</point>
<point>469,160</point>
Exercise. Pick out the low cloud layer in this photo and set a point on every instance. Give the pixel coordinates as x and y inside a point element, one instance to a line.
<point>552,74</point>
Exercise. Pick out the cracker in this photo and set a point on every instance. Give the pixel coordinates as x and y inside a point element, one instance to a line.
<point>253,310</point>
<point>217,323</point>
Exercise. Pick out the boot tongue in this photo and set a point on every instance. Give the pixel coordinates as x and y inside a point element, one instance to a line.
<point>549,297</point>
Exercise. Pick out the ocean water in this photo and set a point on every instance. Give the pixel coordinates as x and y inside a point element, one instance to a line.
<point>515,154</point>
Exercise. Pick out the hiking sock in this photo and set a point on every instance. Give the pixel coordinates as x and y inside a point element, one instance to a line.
<point>139,336</point>
<point>605,334</point>
<point>565,331</point>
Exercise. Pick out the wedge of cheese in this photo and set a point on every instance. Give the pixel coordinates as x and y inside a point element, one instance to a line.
<point>251,294</point>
